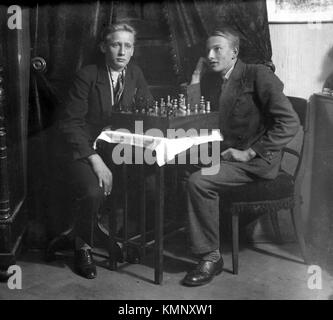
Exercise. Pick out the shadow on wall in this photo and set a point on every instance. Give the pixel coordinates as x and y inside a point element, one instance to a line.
<point>326,75</point>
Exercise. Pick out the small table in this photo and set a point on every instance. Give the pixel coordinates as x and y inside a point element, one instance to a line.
<point>165,150</point>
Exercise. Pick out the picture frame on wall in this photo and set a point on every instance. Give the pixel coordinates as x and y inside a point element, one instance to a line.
<point>299,11</point>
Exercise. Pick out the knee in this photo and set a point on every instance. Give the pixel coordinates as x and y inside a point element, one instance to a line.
<point>200,186</point>
<point>195,183</point>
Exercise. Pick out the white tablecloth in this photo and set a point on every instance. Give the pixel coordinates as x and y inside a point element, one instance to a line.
<point>166,149</point>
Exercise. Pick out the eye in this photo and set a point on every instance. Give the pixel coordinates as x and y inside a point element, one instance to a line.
<point>114,44</point>
<point>128,46</point>
<point>218,49</point>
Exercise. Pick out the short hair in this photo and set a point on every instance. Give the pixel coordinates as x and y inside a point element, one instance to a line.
<point>228,33</point>
<point>117,27</point>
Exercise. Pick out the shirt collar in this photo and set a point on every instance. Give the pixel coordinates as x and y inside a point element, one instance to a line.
<point>115,74</point>
<point>227,75</point>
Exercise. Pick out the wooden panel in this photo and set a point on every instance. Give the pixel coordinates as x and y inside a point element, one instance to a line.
<point>302,55</point>
<point>18,52</point>
<point>320,220</point>
<point>15,52</point>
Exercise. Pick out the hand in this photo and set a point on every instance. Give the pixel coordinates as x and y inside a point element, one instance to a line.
<point>200,69</point>
<point>232,154</point>
<point>102,172</point>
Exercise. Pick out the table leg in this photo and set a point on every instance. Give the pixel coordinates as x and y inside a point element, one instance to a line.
<point>142,211</point>
<point>125,217</point>
<point>159,217</point>
<point>112,241</point>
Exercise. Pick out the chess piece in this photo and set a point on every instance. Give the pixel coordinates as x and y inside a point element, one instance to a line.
<point>174,107</point>
<point>208,107</point>
<point>168,106</point>
<point>196,109</point>
<point>182,100</point>
<point>182,110</point>
<point>156,109</point>
<point>162,108</point>
<point>188,109</point>
<point>202,105</point>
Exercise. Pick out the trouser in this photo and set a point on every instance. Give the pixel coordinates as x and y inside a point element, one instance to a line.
<point>203,195</point>
<point>90,196</point>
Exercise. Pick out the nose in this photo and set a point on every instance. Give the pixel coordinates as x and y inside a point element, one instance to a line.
<point>210,55</point>
<point>122,50</point>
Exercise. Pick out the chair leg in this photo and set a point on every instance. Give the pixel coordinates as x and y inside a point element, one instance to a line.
<point>297,223</point>
<point>275,224</point>
<point>235,241</point>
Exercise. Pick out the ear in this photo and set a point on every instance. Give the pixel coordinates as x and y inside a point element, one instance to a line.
<point>235,51</point>
<point>102,47</point>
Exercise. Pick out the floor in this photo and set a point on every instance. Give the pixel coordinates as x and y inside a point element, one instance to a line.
<point>267,271</point>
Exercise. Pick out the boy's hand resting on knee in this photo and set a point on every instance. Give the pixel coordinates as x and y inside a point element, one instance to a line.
<point>102,172</point>
<point>232,154</point>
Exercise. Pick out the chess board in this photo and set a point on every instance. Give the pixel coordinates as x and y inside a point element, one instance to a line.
<point>197,121</point>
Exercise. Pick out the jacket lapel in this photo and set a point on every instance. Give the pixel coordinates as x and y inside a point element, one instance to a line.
<point>103,88</point>
<point>129,89</point>
<point>231,91</point>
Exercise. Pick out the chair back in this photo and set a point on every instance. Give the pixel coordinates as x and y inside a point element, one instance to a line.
<point>301,107</point>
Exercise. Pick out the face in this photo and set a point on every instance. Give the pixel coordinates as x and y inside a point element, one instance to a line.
<point>118,49</point>
<point>220,54</point>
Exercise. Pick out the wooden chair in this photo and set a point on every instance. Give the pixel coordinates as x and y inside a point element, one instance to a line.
<point>271,196</point>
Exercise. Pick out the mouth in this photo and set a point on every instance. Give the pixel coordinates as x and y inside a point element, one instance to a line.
<point>213,64</point>
<point>120,60</point>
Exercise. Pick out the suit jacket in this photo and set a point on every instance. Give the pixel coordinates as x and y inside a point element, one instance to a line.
<point>254,113</point>
<point>88,105</point>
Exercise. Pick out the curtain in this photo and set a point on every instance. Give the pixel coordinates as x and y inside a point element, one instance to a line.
<point>191,21</point>
<point>66,36</point>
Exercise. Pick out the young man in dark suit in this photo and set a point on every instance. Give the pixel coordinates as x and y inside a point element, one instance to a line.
<point>256,121</point>
<point>112,84</point>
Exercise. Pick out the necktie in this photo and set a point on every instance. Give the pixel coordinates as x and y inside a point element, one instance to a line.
<point>117,87</point>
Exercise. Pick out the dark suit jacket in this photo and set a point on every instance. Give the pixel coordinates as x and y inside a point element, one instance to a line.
<point>254,113</point>
<point>88,105</point>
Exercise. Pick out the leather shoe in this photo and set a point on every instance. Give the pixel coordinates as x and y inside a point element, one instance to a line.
<point>204,272</point>
<point>84,263</point>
